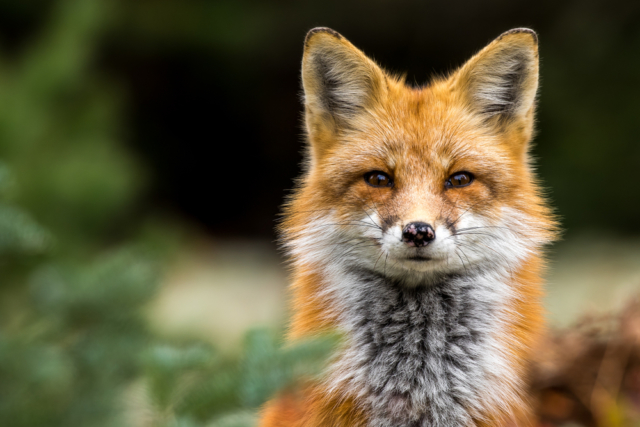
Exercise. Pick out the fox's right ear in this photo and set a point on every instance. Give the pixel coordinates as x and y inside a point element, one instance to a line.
<point>500,82</point>
<point>339,83</point>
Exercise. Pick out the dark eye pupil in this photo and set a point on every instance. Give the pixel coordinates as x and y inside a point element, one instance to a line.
<point>460,179</point>
<point>377,179</point>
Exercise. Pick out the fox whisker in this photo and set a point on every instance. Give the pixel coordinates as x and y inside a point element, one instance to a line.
<point>374,209</point>
<point>454,222</point>
<point>472,247</point>
<point>515,233</point>
<point>461,260</point>
<point>374,226</point>
<point>377,210</point>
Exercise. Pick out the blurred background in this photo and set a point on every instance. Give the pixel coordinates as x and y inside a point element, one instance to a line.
<point>145,149</point>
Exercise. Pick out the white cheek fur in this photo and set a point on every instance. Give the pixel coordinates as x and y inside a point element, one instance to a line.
<point>478,243</point>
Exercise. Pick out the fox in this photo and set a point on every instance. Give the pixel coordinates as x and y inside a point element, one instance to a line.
<point>418,230</point>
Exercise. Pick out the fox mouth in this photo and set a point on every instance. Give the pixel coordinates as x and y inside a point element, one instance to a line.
<point>418,258</point>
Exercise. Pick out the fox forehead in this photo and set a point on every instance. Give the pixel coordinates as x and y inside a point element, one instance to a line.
<point>418,131</point>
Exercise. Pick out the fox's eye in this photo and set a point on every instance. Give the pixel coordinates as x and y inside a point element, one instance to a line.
<point>378,179</point>
<point>459,179</point>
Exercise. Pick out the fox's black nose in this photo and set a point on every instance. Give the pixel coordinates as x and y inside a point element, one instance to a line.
<point>418,234</point>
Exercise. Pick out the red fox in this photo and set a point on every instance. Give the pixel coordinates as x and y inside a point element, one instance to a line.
<point>417,230</point>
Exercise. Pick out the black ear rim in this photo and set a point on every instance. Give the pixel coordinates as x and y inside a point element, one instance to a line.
<point>522,30</point>
<point>318,30</point>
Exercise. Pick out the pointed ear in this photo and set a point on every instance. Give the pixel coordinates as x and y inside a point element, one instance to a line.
<point>500,82</point>
<point>339,83</point>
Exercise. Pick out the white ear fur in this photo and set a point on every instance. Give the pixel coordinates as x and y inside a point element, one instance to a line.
<point>502,79</point>
<point>339,81</point>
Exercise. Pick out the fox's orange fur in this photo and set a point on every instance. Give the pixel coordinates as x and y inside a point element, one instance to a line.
<point>342,236</point>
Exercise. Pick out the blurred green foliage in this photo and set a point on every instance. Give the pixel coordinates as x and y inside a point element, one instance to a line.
<point>74,341</point>
<point>61,125</point>
<point>67,358</point>
<point>193,385</point>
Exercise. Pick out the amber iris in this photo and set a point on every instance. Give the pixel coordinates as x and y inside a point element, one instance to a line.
<point>459,179</point>
<point>378,179</point>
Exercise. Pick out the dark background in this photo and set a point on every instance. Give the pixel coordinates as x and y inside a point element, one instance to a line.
<point>213,114</point>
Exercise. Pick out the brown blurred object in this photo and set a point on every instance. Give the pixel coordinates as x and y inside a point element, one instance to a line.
<point>589,374</point>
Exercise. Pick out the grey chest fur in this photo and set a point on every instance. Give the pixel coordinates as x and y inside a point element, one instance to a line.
<point>418,357</point>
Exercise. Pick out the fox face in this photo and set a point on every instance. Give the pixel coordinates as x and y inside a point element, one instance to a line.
<point>419,183</point>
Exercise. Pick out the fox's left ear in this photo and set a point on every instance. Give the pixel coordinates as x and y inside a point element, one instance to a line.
<point>500,82</point>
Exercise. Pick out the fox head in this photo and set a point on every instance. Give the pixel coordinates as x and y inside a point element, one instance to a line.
<point>418,183</point>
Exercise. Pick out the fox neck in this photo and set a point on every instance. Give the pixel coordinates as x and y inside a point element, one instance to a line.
<point>424,356</point>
